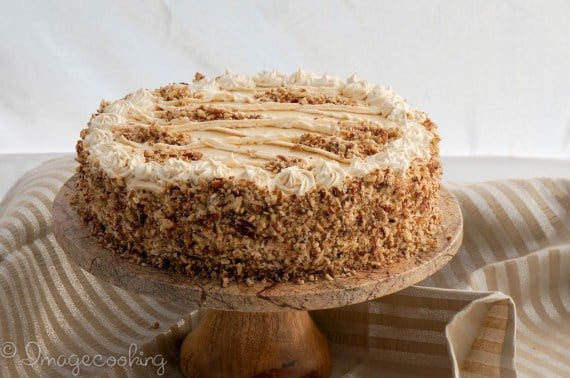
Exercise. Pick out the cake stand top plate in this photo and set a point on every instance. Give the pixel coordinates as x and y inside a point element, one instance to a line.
<point>75,239</point>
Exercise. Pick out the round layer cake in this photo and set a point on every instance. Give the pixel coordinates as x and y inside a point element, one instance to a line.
<point>270,177</point>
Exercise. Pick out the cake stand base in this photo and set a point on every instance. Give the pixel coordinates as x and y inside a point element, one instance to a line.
<point>255,344</point>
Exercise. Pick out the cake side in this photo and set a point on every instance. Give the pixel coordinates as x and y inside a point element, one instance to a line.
<point>334,194</point>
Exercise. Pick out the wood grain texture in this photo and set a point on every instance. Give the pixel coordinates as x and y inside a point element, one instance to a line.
<point>75,239</point>
<point>246,344</point>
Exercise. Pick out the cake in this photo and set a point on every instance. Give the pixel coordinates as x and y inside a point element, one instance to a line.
<point>271,177</point>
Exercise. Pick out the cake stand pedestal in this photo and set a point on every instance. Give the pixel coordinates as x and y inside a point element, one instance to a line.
<point>262,330</point>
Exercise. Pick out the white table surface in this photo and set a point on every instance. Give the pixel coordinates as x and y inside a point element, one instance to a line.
<point>456,169</point>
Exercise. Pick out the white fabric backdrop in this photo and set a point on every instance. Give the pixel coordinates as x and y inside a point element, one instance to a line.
<point>493,75</point>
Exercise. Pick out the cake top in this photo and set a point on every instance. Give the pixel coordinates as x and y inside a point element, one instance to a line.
<point>289,133</point>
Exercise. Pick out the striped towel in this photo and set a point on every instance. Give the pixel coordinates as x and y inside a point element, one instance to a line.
<point>500,308</point>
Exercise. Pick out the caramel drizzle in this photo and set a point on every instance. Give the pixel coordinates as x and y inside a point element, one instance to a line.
<point>283,123</point>
<point>280,106</point>
<point>236,140</point>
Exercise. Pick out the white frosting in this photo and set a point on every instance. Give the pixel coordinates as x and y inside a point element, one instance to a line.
<point>388,102</point>
<point>150,171</point>
<point>107,119</point>
<point>143,99</point>
<point>114,159</point>
<point>176,170</point>
<point>231,161</point>
<point>301,77</point>
<point>279,122</point>
<point>270,79</point>
<point>294,180</point>
<point>235,82</point>
<point>259,176</point>
<point>328,174</point>
<point>212,91</point>
<point>180,170</point>
<point>400,152</point>
<point>120,108</point>
<point>209,169</point>
<point>218,95</point>
<point>96,136</point>
<point>328,81</point>
<point>204,86</point>
<point>358,167</point>
<point>356,89</point>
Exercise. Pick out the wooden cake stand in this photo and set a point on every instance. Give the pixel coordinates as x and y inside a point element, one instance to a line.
<point>259,331</point>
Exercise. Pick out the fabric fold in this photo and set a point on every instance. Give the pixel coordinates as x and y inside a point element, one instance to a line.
<point>422,331</point>
<point>481,337</point>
